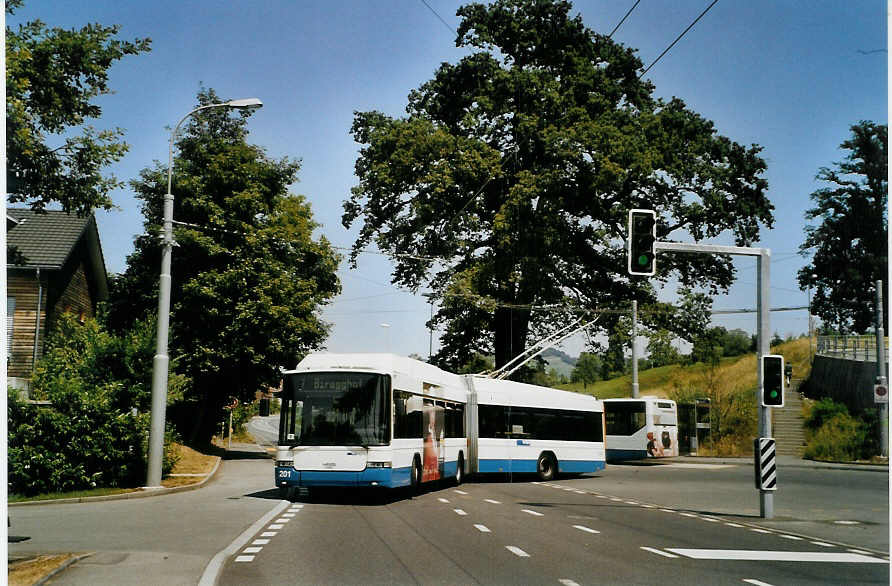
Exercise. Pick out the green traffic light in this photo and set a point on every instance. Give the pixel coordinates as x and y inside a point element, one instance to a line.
<point>643,260</point>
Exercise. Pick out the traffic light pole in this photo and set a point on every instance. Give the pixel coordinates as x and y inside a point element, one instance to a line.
<point>763,330</point>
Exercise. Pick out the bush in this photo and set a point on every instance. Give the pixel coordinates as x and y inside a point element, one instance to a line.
<point>832,434</point>
<point>94,433</point>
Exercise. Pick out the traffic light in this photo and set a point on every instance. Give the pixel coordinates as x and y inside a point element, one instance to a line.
<point>640,245</point>
<point>773,381</point>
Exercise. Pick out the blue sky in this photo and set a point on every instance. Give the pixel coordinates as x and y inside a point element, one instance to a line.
<point>790,76</point>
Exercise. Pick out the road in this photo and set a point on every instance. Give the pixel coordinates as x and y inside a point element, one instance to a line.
<point>686,521</point>
<point>533,533</point>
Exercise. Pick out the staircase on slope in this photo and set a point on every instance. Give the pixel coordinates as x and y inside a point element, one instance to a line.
<point>788,423</point>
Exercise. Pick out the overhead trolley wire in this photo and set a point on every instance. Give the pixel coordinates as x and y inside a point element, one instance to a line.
<point>619,24</point>
<point>683,33</point>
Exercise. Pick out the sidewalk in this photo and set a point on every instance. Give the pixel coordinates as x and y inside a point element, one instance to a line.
<point>786,462</point>
<point>57,530</point>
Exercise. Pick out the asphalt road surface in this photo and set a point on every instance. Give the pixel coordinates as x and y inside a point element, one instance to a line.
<point>527,532</point>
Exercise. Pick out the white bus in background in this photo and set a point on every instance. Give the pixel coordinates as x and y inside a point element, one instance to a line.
<point>646,427</point>
<point>362,420</point>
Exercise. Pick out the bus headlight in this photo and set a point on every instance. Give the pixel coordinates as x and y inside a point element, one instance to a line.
<point>378,465</point>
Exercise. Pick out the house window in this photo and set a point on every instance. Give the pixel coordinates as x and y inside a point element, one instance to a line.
<point>10,312</point>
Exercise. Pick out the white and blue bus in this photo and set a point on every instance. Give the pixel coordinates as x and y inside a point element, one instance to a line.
<point>364,420</point>
<point>646,427</point>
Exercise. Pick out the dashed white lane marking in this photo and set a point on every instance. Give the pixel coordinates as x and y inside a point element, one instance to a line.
<point>252,550</point>
<point>649,506</point>
<point>733,525</point>
<point>793,537</point>
<point>822,544</point>
<point>846,522</point>
<point>494,502</point>
<point>282,520</point>
<point>517,551</point>
<point>858,551</point>
<point>459,512</point>
<point>482,528</point>
<point>775,556</point>
<point>534,513</point>
<point>586,529</point>
<point>276,526</point>
<point>687,514</point>
<point>442,500</point>
<point>269,534</point>
<point>631,502</point>
<point>459,492</point>
<point>289,515</point>
<point>244,558</point>
<point>616,500</point>
<point>757,530</point>
<point>659,552</point>
<point>755,582</point>
<point>710,519</point>
<point>260,542</point>
<point>600,496</point>
<point>296,507</point>
<point>667,510</point>
<point>568,582</point>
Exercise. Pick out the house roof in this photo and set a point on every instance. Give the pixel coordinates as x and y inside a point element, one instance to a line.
<point>46,240</point>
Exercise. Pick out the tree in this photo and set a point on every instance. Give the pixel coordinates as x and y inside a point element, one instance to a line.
<point>248,276</point>
<point>661,350</point>
<point>736,343</point>
<point>53,76</point>
<point>507,184</point>
<point>849,244</point>
<point>709,346</point>
<point>587,369</point>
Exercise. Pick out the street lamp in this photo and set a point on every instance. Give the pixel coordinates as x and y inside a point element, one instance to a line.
<point>161,361</point>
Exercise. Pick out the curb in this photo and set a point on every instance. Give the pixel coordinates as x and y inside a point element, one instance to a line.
<point>792,463</point>
<point>68,563</point>
<point>141,493</point>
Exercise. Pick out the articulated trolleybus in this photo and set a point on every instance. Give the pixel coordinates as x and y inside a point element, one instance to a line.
<point>364,420</point>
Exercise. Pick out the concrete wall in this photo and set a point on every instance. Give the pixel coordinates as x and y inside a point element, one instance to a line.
<point>845,381</point>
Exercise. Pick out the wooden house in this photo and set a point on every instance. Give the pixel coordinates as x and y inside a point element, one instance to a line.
<point>54,265</point>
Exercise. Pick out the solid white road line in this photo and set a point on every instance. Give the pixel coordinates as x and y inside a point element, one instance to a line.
<point>517,551</point>
<point>212,570</point>
<point>659,552</point>
<point>482,528</point>
<point>775,556</point>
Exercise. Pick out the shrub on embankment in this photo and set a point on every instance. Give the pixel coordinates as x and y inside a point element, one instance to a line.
<point>833,435</point>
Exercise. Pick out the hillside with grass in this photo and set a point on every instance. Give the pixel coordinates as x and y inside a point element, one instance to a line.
<point>666,381</point>
<point>730,386</point>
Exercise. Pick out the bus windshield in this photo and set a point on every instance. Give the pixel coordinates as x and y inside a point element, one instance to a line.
<point>334,409</point>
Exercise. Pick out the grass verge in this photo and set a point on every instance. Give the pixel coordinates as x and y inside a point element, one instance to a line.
<point>30,571</point>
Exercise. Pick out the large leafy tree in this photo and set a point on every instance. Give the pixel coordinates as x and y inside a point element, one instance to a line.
<point>53,77</point>
<point>849,244</point>
<point>248,276</point>
<point>507,184</point>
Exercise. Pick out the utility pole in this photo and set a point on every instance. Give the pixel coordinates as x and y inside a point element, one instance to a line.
<point>634,349</point>
<point>881,370</point>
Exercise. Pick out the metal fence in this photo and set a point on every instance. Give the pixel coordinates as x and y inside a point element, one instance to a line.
<point>862,348</point>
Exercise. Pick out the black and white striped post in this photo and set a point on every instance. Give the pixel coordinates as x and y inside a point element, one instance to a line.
<point>765,465</point>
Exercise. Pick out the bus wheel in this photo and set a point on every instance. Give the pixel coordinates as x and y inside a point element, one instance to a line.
<point>415,476</point>
<point>460,470</point>
<point>546,467</point>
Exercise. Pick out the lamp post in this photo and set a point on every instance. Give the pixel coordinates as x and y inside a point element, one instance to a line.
<point>161,361</point>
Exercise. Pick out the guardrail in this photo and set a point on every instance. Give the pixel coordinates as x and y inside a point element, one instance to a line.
<point>863,348</point>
